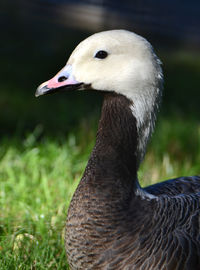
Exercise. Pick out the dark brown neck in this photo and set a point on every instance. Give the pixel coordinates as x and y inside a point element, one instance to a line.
<point>113,159</point>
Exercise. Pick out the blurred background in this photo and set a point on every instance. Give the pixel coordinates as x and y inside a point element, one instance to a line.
<point>38,36</point>
<point>45,142</point>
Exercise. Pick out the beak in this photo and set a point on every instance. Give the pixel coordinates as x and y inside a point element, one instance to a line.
<point>63,80</point>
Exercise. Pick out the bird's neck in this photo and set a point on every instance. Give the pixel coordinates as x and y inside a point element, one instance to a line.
<point>114,158</point>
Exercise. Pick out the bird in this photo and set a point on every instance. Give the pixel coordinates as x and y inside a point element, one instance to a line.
<point>114,223</point>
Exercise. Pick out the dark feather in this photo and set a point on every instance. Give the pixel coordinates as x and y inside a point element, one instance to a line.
<point>181,185</point>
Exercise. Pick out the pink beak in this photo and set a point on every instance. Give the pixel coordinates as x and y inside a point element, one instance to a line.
<point>63,79</point>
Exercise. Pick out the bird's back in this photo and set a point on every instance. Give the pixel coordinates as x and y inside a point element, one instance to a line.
<point>182,185</point>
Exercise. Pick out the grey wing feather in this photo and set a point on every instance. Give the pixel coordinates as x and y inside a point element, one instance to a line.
<point>181,185</point>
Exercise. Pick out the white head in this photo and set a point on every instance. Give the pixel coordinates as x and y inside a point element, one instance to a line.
<point>127,66</point>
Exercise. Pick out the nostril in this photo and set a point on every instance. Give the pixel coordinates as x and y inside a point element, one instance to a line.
<point>62,78</point>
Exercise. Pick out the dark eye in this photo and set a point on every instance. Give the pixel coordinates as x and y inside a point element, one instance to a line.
<point>101,54</point>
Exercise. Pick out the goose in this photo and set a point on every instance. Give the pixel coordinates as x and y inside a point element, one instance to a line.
<point>112,222</point>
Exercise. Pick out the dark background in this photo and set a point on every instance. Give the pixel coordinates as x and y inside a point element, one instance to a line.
<point>37,38</point>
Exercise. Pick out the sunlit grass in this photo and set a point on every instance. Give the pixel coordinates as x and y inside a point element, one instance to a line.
<point>38,178</point>
<point>174,151</point>
<point>37,182</point>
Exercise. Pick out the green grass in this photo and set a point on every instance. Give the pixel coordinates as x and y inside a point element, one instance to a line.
<point>38,177</point>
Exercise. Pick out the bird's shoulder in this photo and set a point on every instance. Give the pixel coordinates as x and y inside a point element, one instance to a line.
<point>183,185</point>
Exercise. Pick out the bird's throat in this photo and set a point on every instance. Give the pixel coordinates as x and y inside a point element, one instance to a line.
<point>115,153</point>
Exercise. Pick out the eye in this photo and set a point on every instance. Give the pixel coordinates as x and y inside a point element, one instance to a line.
<point>101,54</point>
